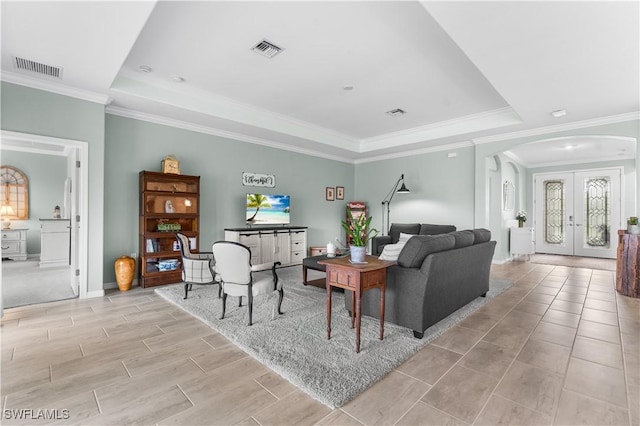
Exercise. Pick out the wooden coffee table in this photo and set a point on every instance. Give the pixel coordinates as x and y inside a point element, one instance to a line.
<point>357,278</point>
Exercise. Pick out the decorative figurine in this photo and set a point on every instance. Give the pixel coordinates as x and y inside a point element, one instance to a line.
<point>56,212</point>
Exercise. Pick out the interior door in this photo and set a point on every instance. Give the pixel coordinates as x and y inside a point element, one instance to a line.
<point>577,213</point>
<point>70,208</point>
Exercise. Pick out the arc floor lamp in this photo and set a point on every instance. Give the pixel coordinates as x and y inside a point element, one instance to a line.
<point>387,200</point>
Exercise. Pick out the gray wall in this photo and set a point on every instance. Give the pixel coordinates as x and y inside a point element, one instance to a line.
<point>441,188</point>
<point>43,113</point>
<point>133,145</point>
<point>46,175</point>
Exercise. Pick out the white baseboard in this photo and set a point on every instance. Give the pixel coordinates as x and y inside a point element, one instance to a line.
<point>500,262</point>
<point>97,293</point>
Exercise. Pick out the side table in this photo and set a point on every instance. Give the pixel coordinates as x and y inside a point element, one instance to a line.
<point>357,278</point>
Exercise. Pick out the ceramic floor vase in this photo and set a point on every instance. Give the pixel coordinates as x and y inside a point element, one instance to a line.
<point>125,267</point>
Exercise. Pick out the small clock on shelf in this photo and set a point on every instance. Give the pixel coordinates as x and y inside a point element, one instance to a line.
<point>170,164</point>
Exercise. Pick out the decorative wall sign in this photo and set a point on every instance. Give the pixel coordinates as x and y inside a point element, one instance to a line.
<point>257,179</point>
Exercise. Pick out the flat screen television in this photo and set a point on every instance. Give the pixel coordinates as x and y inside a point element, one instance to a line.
<point>266,209</point>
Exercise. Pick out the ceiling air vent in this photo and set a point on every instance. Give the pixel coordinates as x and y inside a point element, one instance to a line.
<point>37,67</point>
<point>396,112</point>
<point>266,48</point>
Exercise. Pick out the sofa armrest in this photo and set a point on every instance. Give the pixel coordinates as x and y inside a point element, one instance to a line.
<point>378,243</point>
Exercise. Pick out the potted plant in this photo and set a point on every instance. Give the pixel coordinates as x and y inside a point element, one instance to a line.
<point>359,231</point>
<point>632,225</point>
<point>522,218</point>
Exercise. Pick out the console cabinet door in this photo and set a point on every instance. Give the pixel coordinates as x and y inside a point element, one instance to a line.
<point>283,248</point>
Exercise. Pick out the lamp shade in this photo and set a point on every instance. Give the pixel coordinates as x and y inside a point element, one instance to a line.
<point>403,189</point>
<point>6,211</point>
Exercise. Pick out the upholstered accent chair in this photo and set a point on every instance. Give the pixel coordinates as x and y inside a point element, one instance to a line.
<point>233,266</point>
<point>197,268</point>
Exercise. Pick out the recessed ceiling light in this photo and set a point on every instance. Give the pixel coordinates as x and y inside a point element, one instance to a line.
<point>396,112</point>
<point>348,87</point>
<point>559,113</point>
<point>177,79</point>
<point>145,68</point>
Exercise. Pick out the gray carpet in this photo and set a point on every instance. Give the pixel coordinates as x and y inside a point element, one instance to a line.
<point>25,283</point>
<point>295,344</point>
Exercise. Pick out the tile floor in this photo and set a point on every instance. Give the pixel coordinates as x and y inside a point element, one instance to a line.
<point>559,347</point>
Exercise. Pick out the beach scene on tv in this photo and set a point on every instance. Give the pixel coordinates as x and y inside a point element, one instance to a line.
<point>263,209</point>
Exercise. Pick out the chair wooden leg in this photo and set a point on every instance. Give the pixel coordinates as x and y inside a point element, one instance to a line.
<point>186,290</point>
<point>250,303</point>
<point>240,301</point>
<point>224,305</point>
<point>219,290</point>
<point>280,297</point>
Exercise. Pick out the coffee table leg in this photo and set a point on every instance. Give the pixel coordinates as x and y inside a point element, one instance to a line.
<point>328,308</point>
<point>304,275</point>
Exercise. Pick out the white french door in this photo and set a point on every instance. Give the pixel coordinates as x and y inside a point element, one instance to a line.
<point>578,213</point>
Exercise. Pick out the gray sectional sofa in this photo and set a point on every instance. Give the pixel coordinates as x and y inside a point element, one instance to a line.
<point>378,243</point>
<point>435,275</point>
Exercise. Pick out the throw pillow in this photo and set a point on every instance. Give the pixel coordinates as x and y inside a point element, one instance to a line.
<point>404,237</point>
<point>391,252</point>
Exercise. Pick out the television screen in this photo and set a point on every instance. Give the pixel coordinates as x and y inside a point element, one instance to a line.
<point>264,209</point>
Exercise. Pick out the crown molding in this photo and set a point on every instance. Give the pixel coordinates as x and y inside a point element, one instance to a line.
<point>559,128</point>
<point>487,120</point>
<point>156,119</point>
<point>50,86</point>
<point>438,148</point>
<point>571,162</point>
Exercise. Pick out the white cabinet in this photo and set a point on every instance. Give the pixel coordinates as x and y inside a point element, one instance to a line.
<point>286,245</point>
<point>14,244</point>
<point>521,241</point>
<point>55,242</point>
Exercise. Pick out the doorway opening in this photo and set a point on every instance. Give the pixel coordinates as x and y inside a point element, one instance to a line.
<point>577,213</point>
<point>74,207</point>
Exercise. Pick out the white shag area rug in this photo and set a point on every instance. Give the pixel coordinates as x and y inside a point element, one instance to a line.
<point>295,344</point>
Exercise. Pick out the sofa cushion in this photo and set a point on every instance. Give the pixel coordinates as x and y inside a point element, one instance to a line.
<point>420,246</point>
<point>406,228</point>
<point>481,235</point>
<point>463,238</point>
<point>428,229</point>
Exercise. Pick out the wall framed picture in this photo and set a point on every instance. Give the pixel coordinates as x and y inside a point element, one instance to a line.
<point>330,193</point>
<point>339,192</point>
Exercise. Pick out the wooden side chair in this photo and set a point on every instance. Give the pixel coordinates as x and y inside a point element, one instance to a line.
<point>233,267</point>
<point>197,268</point>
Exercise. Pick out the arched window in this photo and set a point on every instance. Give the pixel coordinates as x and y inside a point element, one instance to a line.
<point>14,192</point>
